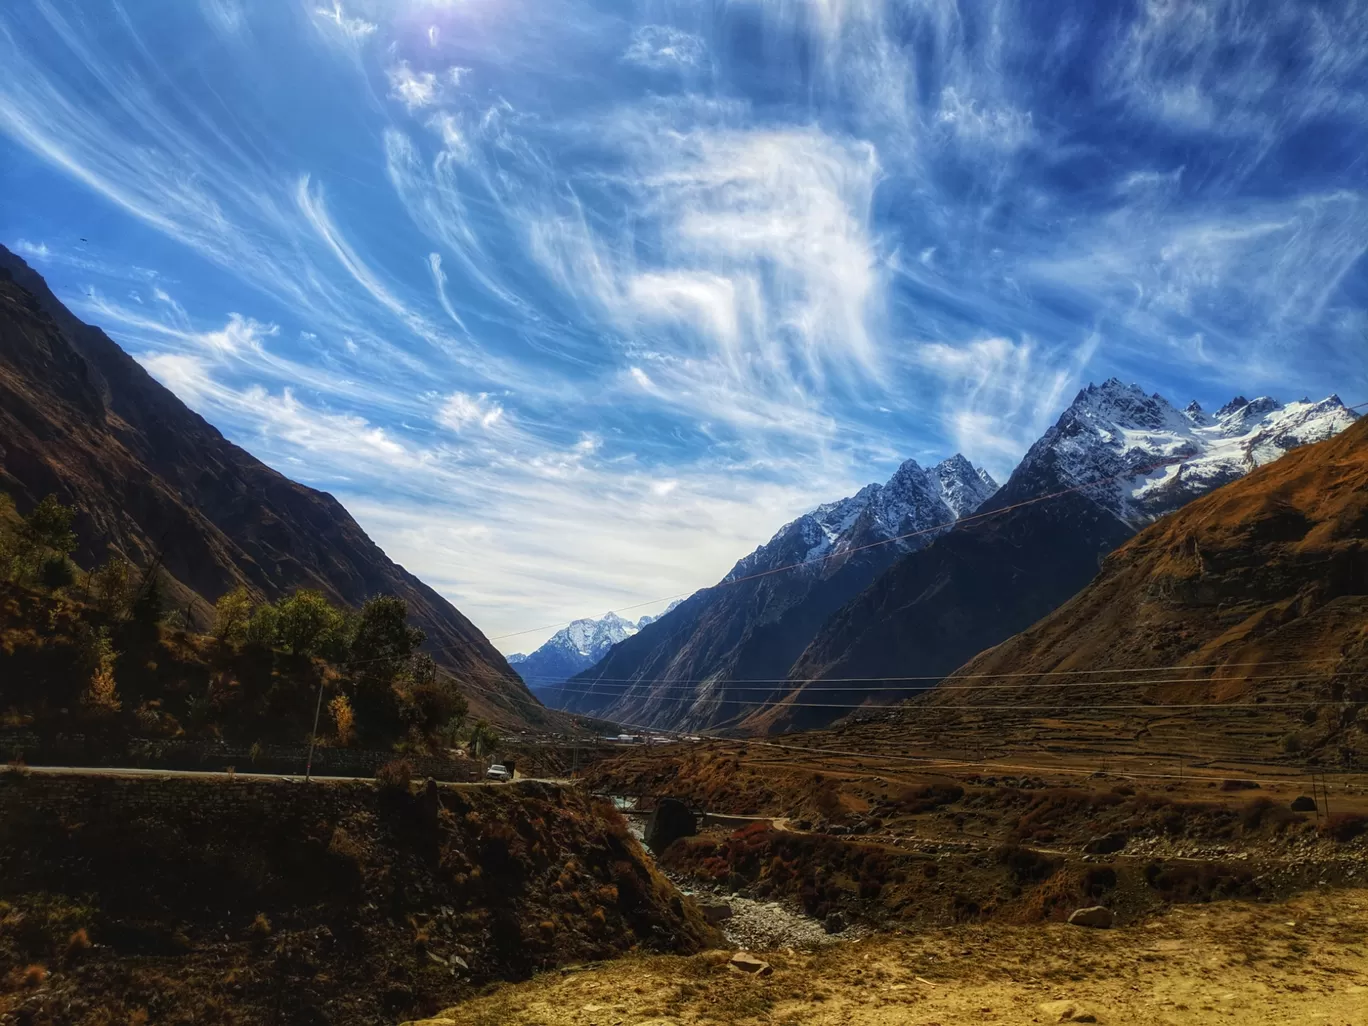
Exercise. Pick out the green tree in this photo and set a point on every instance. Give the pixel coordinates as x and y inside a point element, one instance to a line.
<point>383,642</point>
<point>261,631</point>
<point>41,540</point>
<point>232,614</point>
<point>382,649</point>
<point>48,527</point>
<point>483,739</point>
<point>111,587</point>
<point>304,621</point>
<point>449,733</point>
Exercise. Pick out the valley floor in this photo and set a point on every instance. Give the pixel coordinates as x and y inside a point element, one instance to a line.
<point>1299,961</point>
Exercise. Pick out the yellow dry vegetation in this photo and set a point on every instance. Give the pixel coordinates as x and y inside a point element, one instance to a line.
<point>1302,961</point>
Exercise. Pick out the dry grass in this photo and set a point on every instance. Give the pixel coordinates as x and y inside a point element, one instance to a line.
<point>1243,964</point>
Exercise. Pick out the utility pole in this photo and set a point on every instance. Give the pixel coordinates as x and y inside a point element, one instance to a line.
<point>313,738</point>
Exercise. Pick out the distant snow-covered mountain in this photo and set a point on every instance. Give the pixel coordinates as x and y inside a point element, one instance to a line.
<point>575,647</point>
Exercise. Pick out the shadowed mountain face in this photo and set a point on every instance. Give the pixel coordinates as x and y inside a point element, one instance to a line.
<point>1119,457</point>
<point>724,652</point>
<point>152,480</point>
<point>1271,570</point>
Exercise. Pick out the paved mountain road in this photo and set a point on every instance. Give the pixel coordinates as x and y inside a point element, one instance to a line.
<point>294,778</point>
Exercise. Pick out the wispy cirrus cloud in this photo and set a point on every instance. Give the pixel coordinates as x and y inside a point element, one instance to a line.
<point>658,280</point>
<point>352,29</point>
<point>663,47</point>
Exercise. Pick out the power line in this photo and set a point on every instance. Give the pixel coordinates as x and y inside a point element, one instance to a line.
<point>691,699</point>
<point>941,528</point>
<point>624,686</point>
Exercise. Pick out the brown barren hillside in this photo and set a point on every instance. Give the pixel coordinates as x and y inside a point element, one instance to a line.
<point>154,482</point>
<point>1264,582</point>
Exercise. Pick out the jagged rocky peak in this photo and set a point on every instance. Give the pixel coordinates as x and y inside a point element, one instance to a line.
<point>913,500</point>
<point>575,647</point>
<point>1147,458</point>
<point>1128,405</point>
<point>963,486</point>
<point>592,637</point>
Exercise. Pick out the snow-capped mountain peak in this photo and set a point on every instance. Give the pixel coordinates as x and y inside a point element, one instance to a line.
<point>576,647</point>
<point>914,500</point>
<point>963,486</point>
<point>1144,457</point>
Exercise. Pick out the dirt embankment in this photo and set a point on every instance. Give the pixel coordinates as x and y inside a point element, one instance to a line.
<point>194,901</point>
<point>897,848</point>
<point>1304,961</point>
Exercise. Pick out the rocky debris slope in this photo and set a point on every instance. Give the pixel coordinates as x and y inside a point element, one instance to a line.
<point>722,652</point>
<point>154,482</point>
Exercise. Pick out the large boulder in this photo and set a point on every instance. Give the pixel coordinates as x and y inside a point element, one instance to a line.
<point>748,963</point>
<point>670,821</point>
<point>1303,803</point>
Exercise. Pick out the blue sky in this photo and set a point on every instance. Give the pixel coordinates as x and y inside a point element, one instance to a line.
<point>574,303</point>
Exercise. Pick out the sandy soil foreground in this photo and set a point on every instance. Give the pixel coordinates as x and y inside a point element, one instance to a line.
<point>1301,961</point>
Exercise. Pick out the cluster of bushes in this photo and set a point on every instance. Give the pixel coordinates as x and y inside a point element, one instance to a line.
<point>102,647</point>
<point>379,685</point>
<point>35,551</point>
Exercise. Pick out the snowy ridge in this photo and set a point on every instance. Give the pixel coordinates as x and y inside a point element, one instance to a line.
<point>1148,457</point>
<point>914,499</point>
<point>576,647</point>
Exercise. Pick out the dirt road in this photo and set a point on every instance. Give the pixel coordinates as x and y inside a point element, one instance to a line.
<point>292,778</point>
<point>1303,961</point>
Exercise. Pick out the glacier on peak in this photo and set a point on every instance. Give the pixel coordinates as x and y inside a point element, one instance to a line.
<point>1141,457</point>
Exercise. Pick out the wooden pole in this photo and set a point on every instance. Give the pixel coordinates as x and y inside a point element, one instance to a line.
<point>313,738</point>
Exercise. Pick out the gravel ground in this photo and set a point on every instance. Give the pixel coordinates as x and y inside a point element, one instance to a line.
<point>767,925</point>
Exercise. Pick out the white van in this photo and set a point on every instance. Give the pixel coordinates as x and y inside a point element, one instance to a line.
<point>497,772</point>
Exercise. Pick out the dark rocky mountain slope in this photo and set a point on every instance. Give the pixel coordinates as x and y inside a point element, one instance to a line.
<point>1119,457</point>
<point>153,480</point>
<point>724,651</point>
<point>1262,586</point>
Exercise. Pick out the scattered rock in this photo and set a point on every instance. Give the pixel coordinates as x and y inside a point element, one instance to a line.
<point>835,923</point>
<point>671,820</point>
<point>1097,917</point>
<point>1107,844</point>
<point>1065,1011</point>
<point>748,963</point>
<point>1303,803</point>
